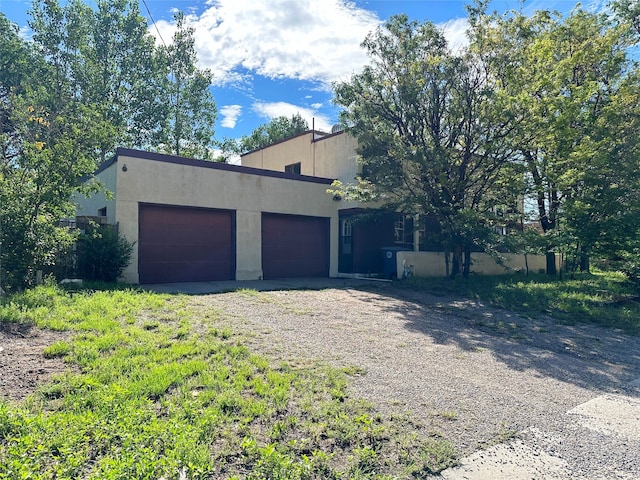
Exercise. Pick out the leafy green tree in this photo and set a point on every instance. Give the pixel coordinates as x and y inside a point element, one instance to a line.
<point>566,78</point>
<point>109,59</point>
<point>603,214</point>
<point>628,11</point>
<point>431,133</point>
<point>90,80</point>
<point>48,145</point>
<point>277,129</point>
<point>189,124</point>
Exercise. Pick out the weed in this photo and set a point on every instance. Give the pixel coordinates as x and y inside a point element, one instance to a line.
<point>447,415</point>
<point>353,371</point>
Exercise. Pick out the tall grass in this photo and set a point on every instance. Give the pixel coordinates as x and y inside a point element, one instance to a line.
<point>603,298</point>
<point>156,393</point>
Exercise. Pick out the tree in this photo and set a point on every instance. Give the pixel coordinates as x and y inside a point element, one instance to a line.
<point>108,57</point>
<point>48,145</point>
<point>431,133</point>
<point>89,81</point>
<point>279,128</point>
<point>189,125</point>
<point>567,79</point>
<point>147,97</point>
<point>629,11</point>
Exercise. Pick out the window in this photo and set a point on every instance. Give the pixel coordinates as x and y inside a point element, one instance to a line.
<point>293,168</point>
<point>403,229</point>
<point>102,212</point>
<point>398,230</point>
<point>347,237</point>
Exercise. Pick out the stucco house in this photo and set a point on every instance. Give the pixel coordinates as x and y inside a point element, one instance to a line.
<point>270,217</point>
<point>361,239</point>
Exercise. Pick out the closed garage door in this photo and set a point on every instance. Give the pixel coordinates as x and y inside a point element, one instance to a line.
<point>294,246</point>
<point>180,244</point>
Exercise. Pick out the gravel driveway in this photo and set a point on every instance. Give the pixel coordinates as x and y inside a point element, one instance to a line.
<point>531,398</point>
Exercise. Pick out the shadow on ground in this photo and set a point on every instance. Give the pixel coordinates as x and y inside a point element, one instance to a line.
<point>585,355</point>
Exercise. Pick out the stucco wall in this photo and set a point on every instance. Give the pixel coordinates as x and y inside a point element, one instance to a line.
<point>331,156</point>
<point>432,264</point>
<point>163,182</point>
<point>275,157</point>
<point>335,157</point>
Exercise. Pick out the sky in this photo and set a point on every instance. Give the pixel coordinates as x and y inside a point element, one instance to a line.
<point>280,57</point>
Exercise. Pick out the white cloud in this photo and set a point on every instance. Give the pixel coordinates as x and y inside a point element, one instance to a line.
<point>297,39</point>
<point>293,39</point>
<point>316,105</point>
<point>25,33</point>
<point>230,114</point>
<point>279,109</point>
<point>455,31</point>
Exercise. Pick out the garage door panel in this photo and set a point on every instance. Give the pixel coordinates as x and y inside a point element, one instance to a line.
<point>181,244</point>
<point>294,246</point>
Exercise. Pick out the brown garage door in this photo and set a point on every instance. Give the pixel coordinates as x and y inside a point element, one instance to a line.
<point>180,244</point>
<point>294,246</point>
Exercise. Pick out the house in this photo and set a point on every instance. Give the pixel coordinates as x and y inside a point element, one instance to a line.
<point>270,217</point>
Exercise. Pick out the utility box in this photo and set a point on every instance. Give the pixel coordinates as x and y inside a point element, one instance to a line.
<point>389,261</point>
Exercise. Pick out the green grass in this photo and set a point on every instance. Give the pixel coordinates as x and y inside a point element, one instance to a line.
<point>158,390</point>
<point>603,298</point>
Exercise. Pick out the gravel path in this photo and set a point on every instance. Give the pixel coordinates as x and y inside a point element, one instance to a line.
<point>532,398</point>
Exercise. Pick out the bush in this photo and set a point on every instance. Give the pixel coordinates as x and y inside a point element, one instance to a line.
<point>630,266</point>
<point>103,254</point>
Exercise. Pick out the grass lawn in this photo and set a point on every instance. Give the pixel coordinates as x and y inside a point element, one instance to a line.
<point>156,391</point>
<point>604,298</point>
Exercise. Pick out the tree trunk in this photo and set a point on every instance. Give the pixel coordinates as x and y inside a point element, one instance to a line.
<point>467,262</point>
<point>447,264</point>
<point>584,260</point>
<point>456,261</point>
<point>551,264</point>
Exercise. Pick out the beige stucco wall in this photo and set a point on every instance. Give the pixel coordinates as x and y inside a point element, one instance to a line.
<point>275,157</point>
<point>159,182</point>
<point>432,264</point>
<point>335,157</point>
<point>331,156</point>
<point>90,206</point>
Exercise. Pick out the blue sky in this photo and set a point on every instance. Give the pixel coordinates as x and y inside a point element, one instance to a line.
<point>279,57</point>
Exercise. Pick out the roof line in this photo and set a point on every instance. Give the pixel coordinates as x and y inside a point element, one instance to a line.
<point>161,157</point>
<point>313,133</point>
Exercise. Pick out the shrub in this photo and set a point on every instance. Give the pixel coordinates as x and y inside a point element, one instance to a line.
<point>630,266</point>
<point>103,254</point>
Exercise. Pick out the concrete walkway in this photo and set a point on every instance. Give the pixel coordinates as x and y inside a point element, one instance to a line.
<point>203,288</point>
<point>614,416</point>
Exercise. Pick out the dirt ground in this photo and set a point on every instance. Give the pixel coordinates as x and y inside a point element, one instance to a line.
<point>22,364</point>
